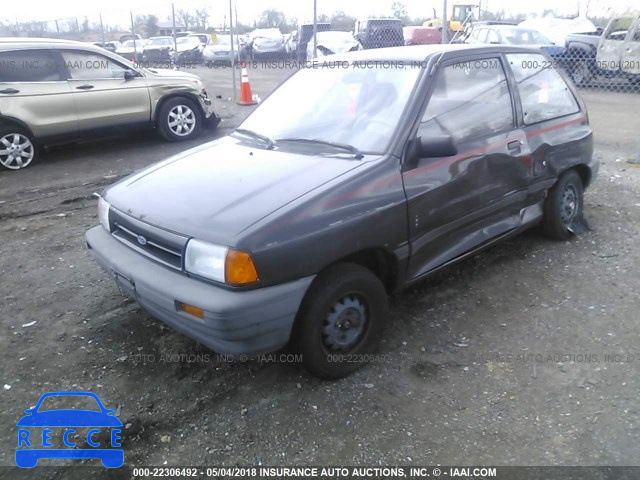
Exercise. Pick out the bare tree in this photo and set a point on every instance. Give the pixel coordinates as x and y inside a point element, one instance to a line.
<point>185,17</point>
<point>202,18</point>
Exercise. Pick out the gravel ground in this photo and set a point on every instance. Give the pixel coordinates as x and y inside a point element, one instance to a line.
<point>526,354</point>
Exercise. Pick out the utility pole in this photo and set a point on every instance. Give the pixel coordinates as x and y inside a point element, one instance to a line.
<point>315,28</point>
<point>102,29</point>
<point>133,32</point>
<point>175,40</point>
<point>445,24</point>
<point>233,67</point>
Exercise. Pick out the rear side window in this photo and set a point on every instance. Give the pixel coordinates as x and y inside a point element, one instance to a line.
<point>543,92</point>
<point>28,66</point>
<point>470,99</point>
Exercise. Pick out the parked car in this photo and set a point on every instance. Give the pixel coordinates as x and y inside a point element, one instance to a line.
<point>305,35</point>
<point>129,36</point>
<point>379,33</point>
<point>421,35</point>
<point>131,50</point>
<point>291,44</point>
<point>294,228</point>
<point>59,91</point>
<point>111,46</point>
<point>189,49</point>
<point>513,35</point>
<point>619,48</point>
<point>266,42</point>
<point>204,38</point>
<point>332,42</point>
<point>159,49</point>
<point>581,50</point>
<point>220,50</point>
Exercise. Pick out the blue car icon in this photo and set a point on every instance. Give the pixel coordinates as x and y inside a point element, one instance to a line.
<point>32,447</point>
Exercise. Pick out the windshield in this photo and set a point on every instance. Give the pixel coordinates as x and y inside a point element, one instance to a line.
<point>160,41</point>
<point>520,36</point>
<point>66,402</point>
<point>223,40</point>
<point>356,106</point>
<point>129,43</point>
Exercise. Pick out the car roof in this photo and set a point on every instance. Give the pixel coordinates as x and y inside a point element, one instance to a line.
<point>419,53</point>
<point>17,43</point>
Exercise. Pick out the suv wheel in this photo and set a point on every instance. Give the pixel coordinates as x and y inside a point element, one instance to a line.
<point>563,206</point>
<point>17,149</point>
<point>581,73</point>
<point>340,321</point>
<point>179,119</point>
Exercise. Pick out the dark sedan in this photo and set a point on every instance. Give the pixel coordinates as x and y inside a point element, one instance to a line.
<point>391,165</point>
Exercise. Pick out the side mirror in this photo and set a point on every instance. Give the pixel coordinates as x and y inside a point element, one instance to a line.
<point>130,74</point>
<point>436,146</point>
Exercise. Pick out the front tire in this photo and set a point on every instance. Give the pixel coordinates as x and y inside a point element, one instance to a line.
<point>340,321</point>
<point>179,119</point>
<point>563,206</point>
<point>17,148</point>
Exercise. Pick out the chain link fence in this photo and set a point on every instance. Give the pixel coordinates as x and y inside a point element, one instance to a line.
<point>606,58</point>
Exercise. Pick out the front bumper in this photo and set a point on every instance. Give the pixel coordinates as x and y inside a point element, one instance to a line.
<point>248,322</point>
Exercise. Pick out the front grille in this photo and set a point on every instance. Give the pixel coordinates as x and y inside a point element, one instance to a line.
<point>157,244</point>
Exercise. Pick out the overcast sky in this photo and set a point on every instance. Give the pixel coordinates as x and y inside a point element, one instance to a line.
<point>116,11</point>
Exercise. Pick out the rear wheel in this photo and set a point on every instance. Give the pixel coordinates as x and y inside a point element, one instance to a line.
<point>179,119</point>
<point>581,73</point>
<point>17,148</point>
<point>340,321</point>
<point>563,206</point>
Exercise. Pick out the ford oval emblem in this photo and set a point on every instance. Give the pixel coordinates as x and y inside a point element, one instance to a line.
<point>141,240</point>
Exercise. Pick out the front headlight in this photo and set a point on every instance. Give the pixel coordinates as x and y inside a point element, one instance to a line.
<point>103,213</point>
<point>219,263</point>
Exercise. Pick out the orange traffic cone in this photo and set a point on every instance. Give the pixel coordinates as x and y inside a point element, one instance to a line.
<point>245,88</point>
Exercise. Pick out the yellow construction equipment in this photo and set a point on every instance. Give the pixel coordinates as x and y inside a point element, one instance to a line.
<point>461,15</point>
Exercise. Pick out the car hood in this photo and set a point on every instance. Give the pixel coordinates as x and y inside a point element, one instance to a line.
<point>216,191</point>
<point>221,48</point>
<point>165,73</point>
<point>184,47</point>
<point>69,418</point>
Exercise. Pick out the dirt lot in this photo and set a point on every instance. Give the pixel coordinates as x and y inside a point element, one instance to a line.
<point>500,360</point>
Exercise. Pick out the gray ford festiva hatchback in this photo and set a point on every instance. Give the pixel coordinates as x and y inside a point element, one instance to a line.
<point>390,165</point>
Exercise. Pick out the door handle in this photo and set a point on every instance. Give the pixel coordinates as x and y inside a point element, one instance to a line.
<point>10,91</point>
<point>84,87</point>
<point>514,146</point>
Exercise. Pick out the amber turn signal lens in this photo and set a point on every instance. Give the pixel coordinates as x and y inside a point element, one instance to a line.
<point>239,268</point>
<point>190,309</point>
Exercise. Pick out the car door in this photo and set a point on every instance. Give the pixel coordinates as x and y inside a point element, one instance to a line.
<point>34,91</point>
<point>557,130</point>
<point>631,52</point>
<point>103,95</point>
<point>460,201</point>
<point>612,43</point>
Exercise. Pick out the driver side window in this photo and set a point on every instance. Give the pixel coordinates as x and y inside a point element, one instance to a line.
<point>84,65</point>
<point>470,99</point>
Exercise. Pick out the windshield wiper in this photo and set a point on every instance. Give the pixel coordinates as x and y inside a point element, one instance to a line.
<point>340,146</point>
<point>252,134</point>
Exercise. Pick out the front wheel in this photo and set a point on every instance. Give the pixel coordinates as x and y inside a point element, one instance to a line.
<point>179,119</point>
<point>340,321</point>
<point>563,206</point>
<point>17,148</point>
